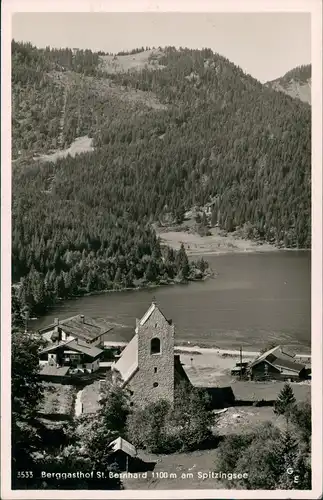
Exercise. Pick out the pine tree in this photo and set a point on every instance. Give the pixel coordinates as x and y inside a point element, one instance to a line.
<point>285,400</point>
<point>204,220</point>
<point>198,219</point>
<point>151,272</point>
<point>117,277</point>
<point>214,217</point>
<point>183,267</point>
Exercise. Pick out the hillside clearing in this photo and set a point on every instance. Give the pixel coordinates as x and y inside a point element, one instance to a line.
<point>216,243</point>
<point>148,59</point>
<point>79,146</point>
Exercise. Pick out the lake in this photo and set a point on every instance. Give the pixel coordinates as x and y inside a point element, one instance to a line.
<point>256,298</point>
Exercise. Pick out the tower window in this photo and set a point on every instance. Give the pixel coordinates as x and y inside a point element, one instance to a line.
<point>155,346</point>
<point>155,369</point>
<point>155,384</point>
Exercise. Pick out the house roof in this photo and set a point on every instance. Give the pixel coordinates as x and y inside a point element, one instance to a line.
<point>53,370</point>
<point>280,362</point>
<point>125,446</point>
<point>127,364</point>
<point>82,326</point>
<point>75,345</point>
<point>278,352</point>
<point>53,347</point>
<point>289,365</point>
<point>180,374</point>
<point>84,348</point>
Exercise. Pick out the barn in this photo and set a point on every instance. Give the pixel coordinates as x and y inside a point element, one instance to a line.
<point>278,364</point>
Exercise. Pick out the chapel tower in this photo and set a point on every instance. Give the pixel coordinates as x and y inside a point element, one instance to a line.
<point>156,355</point>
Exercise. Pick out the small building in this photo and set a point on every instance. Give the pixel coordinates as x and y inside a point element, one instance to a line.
<point>72,356</point>
<point>123,454</point>
<point>148,366</point>
<point>240,369</point>
<point>84,328</point>
<point>278,364</point>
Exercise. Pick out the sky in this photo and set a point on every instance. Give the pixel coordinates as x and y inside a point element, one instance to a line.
<point>265,45</point>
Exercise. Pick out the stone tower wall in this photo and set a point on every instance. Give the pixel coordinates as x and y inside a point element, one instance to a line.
<point>154,368</point>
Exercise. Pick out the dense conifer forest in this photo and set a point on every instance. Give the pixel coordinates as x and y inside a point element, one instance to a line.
<point>83,224</point>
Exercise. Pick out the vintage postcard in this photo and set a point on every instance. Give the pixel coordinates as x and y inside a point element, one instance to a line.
<point>161,278</point>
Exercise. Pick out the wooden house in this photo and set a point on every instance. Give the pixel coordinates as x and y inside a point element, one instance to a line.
<point>278,364</point>
<point>84,328</point>
<point>75,356</point>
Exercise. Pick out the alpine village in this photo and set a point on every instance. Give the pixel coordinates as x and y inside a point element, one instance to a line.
<point>112,154</point>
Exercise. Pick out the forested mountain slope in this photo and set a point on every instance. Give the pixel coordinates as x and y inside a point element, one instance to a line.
<point>186,128</point>
<point>297,83</point>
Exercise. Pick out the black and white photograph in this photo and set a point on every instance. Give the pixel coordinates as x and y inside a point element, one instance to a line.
<point>161,251</point>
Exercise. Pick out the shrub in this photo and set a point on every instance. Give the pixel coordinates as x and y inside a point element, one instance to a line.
<point>266,455</point>
<point>301,418</point>
<point>160,428</point>
<point>114,408</point>
<point>146,427</point>
<point>191,417</point>
<point>230,449</point>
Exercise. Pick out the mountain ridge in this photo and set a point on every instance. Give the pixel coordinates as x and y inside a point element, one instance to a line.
<point>297,83</point>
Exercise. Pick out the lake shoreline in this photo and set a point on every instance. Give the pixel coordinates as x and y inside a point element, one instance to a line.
<point>196,350</point>
<point>210,274</point>
<point>217,243</point>
<point>225,352</point>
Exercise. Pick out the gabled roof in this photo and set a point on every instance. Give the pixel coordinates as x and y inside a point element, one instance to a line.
<point>289,365</point>
<point>84,348</point>
<point>77,346</point>
<point>53,347</point>
<point>278,352</point>
<point>283,360</point>
<point>127,364</point>
<point>147,315</point>
<point>122,444</point>
<point>180,374</point>
<point>82,326</point>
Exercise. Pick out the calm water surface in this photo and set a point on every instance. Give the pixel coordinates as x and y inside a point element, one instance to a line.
<point>255,299</point>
